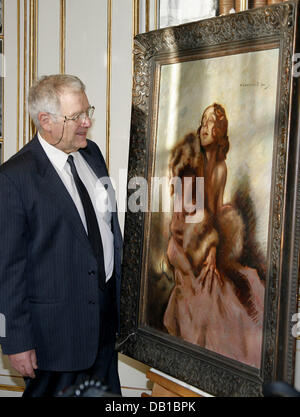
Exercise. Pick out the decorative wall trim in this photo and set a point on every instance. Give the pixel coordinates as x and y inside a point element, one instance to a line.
<point>135,25</point>
<point>25,70</point>
<point>147,16</point>
<point>33,28</point>
<point>11,388</point>
<point>11,376</point>
<point>156,13</point>
<point>136,17</point>
<point>33,39</point>
<point>62,36</point>
<point>108,82</point>
<point>2,87</point>
<point>18,71</point>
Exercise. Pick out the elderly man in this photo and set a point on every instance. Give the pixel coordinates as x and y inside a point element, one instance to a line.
<point>60,248</point>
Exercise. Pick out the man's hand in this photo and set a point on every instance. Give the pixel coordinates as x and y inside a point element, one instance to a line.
<point>24,363</point>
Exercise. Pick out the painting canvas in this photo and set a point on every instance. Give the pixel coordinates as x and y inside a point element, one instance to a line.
<point>210,266</point>
<point>237,228</point>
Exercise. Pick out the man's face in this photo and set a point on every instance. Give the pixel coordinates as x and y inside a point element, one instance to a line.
<point>73,133</point>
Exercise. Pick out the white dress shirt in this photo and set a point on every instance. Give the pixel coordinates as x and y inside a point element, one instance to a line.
<point>97,193</point>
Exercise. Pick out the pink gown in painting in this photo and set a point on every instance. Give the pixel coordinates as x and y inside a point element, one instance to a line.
<point>214,313</point>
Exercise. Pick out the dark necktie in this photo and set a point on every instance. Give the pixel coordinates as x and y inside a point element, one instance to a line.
<point>92,223</point>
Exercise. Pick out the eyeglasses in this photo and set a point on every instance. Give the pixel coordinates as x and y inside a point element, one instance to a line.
<point>79,117</point>
<point>89,113</point>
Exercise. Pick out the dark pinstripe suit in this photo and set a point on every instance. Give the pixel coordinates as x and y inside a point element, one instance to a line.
<point>48,273</point>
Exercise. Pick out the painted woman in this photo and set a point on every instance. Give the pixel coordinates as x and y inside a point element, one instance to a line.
<point>216,302</point>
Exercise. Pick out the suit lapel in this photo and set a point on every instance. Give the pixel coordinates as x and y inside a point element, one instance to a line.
<point>94,162</point>
<point>57,192</point>
<point>62,197</point>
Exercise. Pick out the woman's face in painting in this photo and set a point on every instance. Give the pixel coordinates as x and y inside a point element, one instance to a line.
<point>207,127</point>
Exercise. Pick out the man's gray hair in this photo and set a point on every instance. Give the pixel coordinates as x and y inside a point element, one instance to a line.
<point>45,93</point>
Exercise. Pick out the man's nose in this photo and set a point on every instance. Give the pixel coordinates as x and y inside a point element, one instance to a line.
<point>86,122</point>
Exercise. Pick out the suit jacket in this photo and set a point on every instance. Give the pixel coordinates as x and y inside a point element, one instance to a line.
<point>48,272</point>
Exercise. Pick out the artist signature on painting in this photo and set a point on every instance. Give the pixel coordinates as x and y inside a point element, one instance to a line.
<point>255,84</point>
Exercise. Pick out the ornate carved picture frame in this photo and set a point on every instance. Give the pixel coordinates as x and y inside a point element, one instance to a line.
<point>177,316</point>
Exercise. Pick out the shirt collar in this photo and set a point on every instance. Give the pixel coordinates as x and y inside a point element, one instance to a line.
<point>57,157</point>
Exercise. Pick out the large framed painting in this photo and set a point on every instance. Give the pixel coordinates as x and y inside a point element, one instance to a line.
<point>211,242</point>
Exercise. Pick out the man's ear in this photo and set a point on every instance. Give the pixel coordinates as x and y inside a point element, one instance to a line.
<point>45,121</point>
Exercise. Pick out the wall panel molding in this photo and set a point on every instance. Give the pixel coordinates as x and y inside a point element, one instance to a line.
<point>18,71</point>
<point>33,57</point>
<point>3,71</point>
<point>147,11</point>
<point>108,81</point>
<point>62,63</point>
<point>25,67</point>
<point>136,17</point>
<point>14,388</point>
